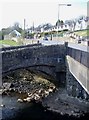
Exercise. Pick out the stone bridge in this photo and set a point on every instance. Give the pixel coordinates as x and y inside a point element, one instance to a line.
<point>67,64</point>
<point>46,59</point>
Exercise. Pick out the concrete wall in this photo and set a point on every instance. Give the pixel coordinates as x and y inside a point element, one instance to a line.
<point>77,82</point>
<point>79,53</point>
<point>80,72</point>
<point>77,75</point>
<point>74,87</point>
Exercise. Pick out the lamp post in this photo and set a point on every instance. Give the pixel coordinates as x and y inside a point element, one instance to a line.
<point>59,10</point>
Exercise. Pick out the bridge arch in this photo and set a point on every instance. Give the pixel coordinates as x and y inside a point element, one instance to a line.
<point>48,60</point>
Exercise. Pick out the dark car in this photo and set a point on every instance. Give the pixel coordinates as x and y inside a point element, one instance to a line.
<point>45,38</point>
<point>79,41</point>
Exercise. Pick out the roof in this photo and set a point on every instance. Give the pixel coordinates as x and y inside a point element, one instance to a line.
<point>15,32</point>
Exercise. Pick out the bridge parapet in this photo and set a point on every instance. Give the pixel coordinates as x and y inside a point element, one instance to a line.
<point>19,47</point>
<point>78,65</point>
<point>79,55</point>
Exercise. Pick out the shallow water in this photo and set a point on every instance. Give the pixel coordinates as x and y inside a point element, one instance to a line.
<point>14,110</point>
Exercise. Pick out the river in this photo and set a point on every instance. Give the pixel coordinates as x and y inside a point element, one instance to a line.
<point>14,110</point>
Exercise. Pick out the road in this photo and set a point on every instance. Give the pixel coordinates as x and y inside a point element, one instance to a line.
<point>55,41</point>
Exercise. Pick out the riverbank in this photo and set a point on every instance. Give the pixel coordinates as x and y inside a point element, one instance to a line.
<point>63,104</point>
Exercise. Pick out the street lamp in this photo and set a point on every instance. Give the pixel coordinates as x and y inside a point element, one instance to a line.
<point>62,5</point>
<point>59,10</point>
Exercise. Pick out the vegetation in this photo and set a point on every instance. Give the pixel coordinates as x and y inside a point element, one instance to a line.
<point>54,33</point>
<point>6,31</point>
<point>9,42</point>
<point>82,32</point>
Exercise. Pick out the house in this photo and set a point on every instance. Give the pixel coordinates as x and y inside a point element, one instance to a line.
<point>80,25</point>
<point>84,24</point>
<point>13,35</point>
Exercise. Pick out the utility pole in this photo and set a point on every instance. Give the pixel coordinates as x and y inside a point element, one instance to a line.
<point>24,24</point>
<point>24,28</point>
<point>33,26</point>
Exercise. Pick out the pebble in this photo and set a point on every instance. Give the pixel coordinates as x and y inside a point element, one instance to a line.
<point>28,99</point>
<point>40,91</point>
<point>72,111</point>
<point>20,92</point>
<point>36,96</point>
<point>50,90</point>
<point>61,113</point>
<point>29,94</point>
<point>46,93</point>
<point>2,105</point>
<point>20,100</point>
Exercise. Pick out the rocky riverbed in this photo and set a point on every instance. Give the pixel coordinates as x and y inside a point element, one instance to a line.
<point>28,87</point>
<point>23,81</point>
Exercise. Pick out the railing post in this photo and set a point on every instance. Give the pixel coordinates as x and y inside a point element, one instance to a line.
<point>66,46</point>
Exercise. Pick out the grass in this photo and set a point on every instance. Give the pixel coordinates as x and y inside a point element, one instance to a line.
<point>60,34</point>
<point>8,42</point>
<point>82,33</point>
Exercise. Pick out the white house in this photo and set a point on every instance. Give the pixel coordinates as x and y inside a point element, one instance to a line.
<point>84,24</point>
<point>77,26</point>
<point>13,35</point>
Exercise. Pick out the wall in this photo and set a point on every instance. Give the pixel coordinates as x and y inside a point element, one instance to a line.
<point>76,86</point>
<point>77,75</point>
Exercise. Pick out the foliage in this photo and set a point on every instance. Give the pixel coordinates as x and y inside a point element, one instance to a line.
<point>1,37</point>
<point>6,31</point>
<point>17,27</point>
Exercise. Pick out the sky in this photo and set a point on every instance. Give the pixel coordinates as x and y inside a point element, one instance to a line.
<point>39,11</point>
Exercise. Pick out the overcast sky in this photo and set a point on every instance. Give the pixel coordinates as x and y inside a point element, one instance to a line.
<point>39,11</point>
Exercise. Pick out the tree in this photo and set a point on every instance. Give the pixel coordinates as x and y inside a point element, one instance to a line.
<point>17,27</point>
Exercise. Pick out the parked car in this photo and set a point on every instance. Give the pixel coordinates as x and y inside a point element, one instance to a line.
<point>79,41</point>
<point>45,38</point>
